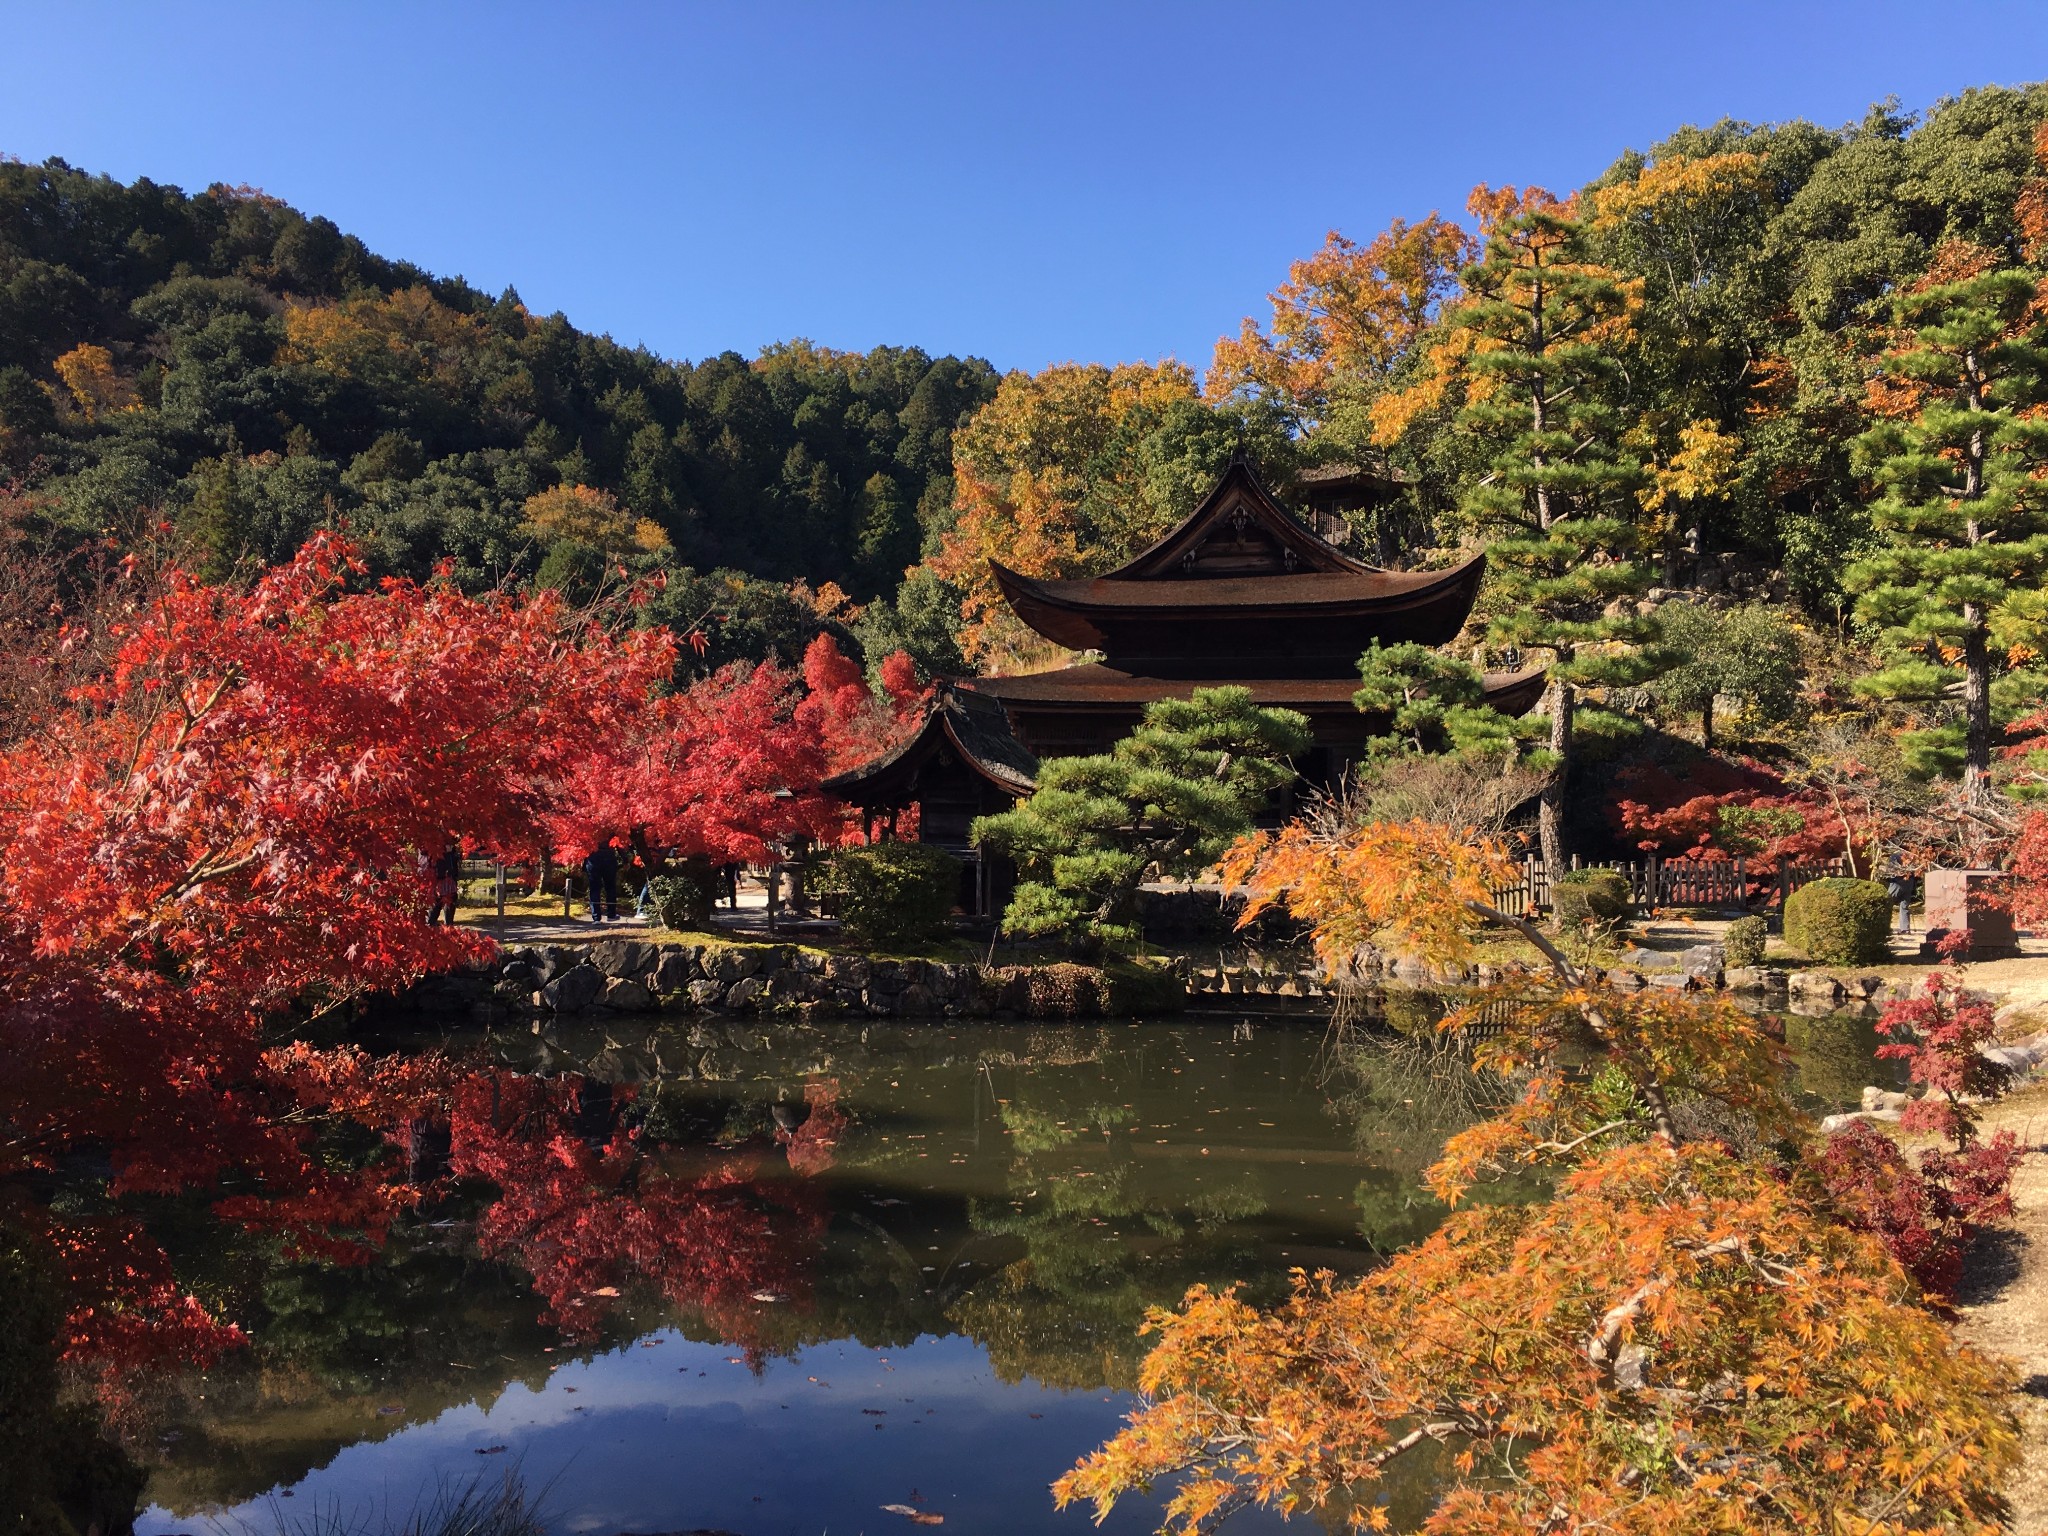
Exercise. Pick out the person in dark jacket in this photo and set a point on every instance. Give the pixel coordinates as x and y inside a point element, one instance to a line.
<point>1902,885</point>
<point>445,876</point>
<point>601,874</point>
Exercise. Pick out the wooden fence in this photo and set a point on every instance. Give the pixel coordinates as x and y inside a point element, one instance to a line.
<point>1723,883</point>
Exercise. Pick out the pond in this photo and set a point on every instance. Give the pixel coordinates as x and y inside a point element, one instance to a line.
<point>849,1267</point>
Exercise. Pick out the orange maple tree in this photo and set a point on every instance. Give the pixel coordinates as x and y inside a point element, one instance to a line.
<point>1681,1340</point>
<point>1349,312</point>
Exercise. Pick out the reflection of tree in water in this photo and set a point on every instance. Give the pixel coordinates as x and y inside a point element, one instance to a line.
<point>588,1220</point>
<point>1834,1058</point>
<point>1097,1250</point>
<point>1406,1089</point>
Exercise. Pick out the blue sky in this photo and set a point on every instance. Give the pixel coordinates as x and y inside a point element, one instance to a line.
<point>1030,182</point>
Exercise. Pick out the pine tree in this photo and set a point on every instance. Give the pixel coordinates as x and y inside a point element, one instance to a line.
<point>1559,500</point>
<point>1963,518</point>
<point>1171,796</point>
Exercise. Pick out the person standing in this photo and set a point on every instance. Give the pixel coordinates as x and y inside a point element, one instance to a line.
<point>601,876</point>
<point>1902,885</point>
<point>446,875</point>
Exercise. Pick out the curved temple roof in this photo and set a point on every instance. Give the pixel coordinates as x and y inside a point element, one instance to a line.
<point>1084,614</point>
<point>972,724</point>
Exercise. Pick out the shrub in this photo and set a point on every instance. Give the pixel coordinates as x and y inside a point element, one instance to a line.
<point>893,893</point>
<point>1839,922</point>
<point>1596,898</point>
<point>1743,943</point>
<point>683,898</point>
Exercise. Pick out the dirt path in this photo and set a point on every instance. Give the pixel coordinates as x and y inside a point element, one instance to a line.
<point>2004,1296</point>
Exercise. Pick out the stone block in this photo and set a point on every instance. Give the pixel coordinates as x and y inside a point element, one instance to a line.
<point>1702,959</point>
<point>1746,978</point>
<point>1971,899</point>
<point>627,995</point>
<point>575,989</point>
<point>730,965</point>
<point>706,993</point>
<point>676,968</point>
<point>747,992</point>
<point>848,970</point>
<point>919,1001</point>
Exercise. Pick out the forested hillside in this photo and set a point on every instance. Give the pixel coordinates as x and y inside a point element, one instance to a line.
<point>1755,268</point>
<point>255,373</point>
<point>251,373</point>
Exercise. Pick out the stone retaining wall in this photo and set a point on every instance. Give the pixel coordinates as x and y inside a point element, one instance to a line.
<point>635,976</point>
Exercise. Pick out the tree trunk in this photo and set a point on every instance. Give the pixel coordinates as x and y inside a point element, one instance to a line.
<point>1550,808</point>
<point>1707,723</point>
<point>1976,703</point>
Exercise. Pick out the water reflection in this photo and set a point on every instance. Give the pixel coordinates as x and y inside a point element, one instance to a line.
<point>994,1208</point>
<point>766,1276</point>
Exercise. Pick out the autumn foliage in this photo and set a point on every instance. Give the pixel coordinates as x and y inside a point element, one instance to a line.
<point>1684,1338</point>
<point>224,823</point>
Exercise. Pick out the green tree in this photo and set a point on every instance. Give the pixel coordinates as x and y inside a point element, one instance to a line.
<point>1559,496</point>
<point>1747,652</point>
<point>1169,797</point>
<point>1435,703</point>
<point>1962,515</point>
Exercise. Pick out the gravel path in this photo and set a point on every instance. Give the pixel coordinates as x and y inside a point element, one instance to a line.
<point>2003,1301</point>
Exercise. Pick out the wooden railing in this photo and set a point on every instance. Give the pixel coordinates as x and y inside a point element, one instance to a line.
<point>1723,883</point>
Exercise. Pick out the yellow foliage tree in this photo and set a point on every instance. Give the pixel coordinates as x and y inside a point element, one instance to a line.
<point>406,334</point>
<point>1046,480</point>
<point>98,391</point>
<point>591,516</point>
<point>1347,313</point>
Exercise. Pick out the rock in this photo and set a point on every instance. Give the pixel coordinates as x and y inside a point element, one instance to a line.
<point>1746,978</point>
<point>1632,1368</point>
<point>518,971</point>
<point>1626,980</point>
<point>1672,981</point>
<point>792,985</point>
<point>1835,1123</point>
<point>919,1000</point>
<point>551,960</point>
<point>622,957</point>
<point>676,968</point>
<point>1863,986</point>
<point>627,996</point>
<point>574,990</point>
<point>706,993</point>
<point>848,970</point>
<point>1702,960</point>
<point>730,965</point>
<point>746,992</point>
<point>2017,1059</point>
<point>1815,985</point>
<point>1876,1100</point>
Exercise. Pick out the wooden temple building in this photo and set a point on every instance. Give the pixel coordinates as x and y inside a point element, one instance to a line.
<point>1240,593</point>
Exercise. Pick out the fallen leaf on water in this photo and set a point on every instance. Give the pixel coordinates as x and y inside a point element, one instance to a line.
<point>491,1450</point>
<point>914,1516</point>
<point>769,1296</point>
<point>604,1290</point>
<point>390,1408</point>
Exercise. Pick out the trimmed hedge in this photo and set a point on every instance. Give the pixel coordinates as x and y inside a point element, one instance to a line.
<point>1743,943</point>
<point>1599,898</point>
<point>893,893</point>
<point>1839,922</point>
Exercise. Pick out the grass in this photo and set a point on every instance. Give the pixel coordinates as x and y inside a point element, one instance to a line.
<point>476,1508</point>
